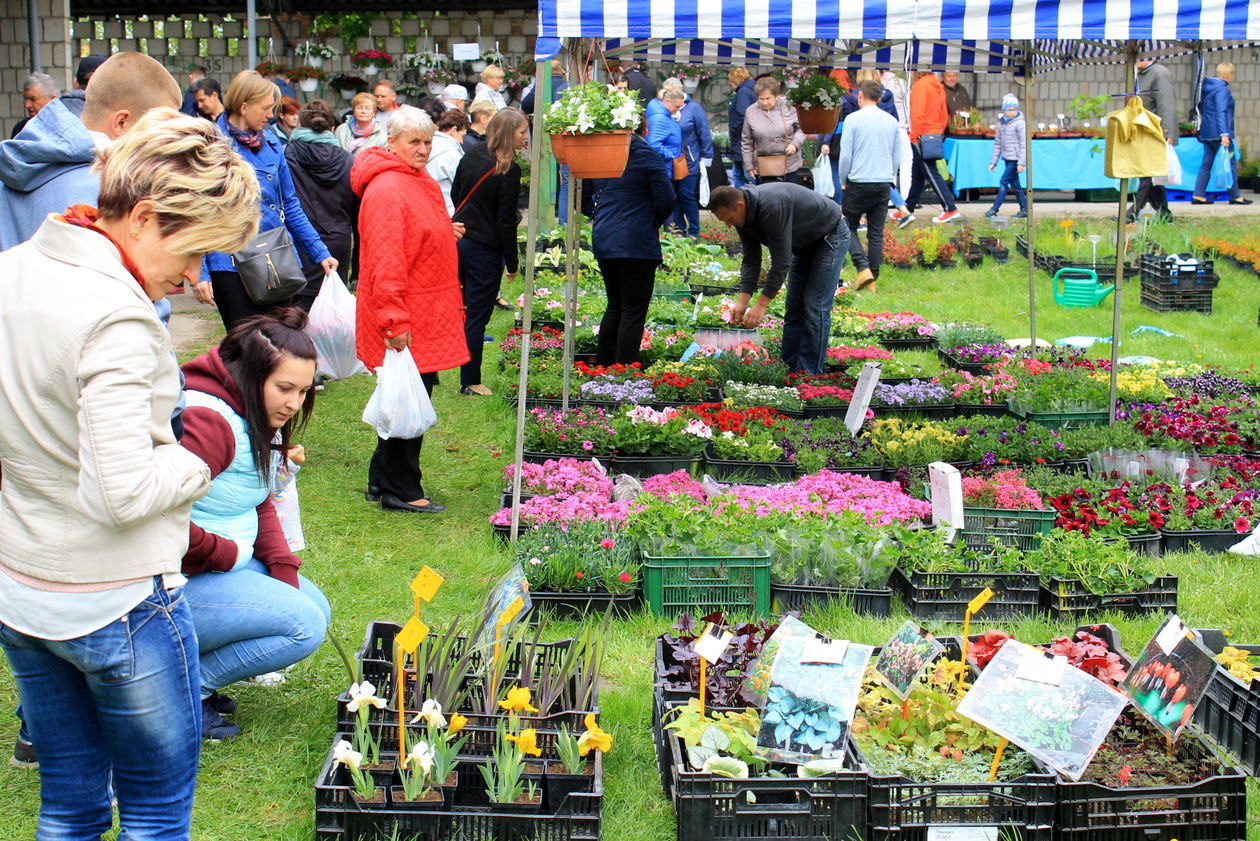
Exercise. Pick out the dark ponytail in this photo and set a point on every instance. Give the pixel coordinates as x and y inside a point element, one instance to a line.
<point>251,352</point>
<point>317,115</point>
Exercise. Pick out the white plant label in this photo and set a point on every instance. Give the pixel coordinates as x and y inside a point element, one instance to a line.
<point>712,643</point>
<point>947,500</point>
<point>962,833</point>
<point>823,650</point>
<point>861,400</point>
<point>1042,667</point>
<point>466,52</point>
<point>1174,632</point>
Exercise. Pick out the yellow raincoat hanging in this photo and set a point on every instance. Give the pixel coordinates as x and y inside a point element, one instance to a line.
<point>1135,143</point>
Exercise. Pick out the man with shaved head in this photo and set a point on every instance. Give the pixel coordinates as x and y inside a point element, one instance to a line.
<point>47,167</point>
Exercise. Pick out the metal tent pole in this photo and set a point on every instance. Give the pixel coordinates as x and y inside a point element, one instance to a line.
<point>251,26</point>
<point>1029,124</point>
<point>1129,69</point>
<point>32,34</point>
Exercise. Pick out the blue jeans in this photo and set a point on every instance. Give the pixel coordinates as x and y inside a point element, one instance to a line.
<point>1010,181</point>
<point>811,292</point>
<point>838,195</point>
<point>249,623</point>
<point>1210,148</point>
<point>562,196</point>
<point>120,702</point>
<point>736,174</point>
<point>687,205</point>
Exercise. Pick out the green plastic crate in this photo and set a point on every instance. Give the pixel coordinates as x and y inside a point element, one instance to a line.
<point>731,584</point>
<point>1023,529</point>
<point>1061,420</point>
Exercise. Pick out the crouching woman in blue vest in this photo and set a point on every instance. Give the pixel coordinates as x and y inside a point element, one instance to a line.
<point>252,611</point>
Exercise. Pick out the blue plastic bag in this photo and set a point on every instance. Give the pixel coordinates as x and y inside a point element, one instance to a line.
<point>1222,170</point>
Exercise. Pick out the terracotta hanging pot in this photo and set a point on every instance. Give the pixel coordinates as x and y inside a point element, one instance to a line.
<point>559,147</point>
<point>819,120</point>
<point>600,154</point>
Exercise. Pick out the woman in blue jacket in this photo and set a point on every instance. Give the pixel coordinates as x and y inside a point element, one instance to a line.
<point>627,218</point>
<point>249,103</point>
<point>1216,129</point>
<point>697,148</point>
<point>664,134</point>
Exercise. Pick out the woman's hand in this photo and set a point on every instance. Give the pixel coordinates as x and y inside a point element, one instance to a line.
<point>790,150</point>
<point>458,227</point>
<point>823,150</point>
<point>1019,167</point>
<point>203,291</point>
<point>399,342</point>
<point>329,265</point>
<point>297,454</point>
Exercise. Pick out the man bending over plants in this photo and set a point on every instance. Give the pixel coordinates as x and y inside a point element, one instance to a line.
<point>804,232</point>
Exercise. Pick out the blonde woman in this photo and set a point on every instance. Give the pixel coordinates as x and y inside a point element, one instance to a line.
<point>94,508</point>
<point>479,114</point>
<point>491,87</point>
<point>248,106</point>
<point>361,131</point>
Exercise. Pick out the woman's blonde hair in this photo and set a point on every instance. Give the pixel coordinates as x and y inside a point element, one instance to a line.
<point>480,107</point>
<point>868,74</point>
<point>249,86</point>
<point>205,195</point>
<point>362,97</point>
<point>494,71</point>
<point>738,75</point>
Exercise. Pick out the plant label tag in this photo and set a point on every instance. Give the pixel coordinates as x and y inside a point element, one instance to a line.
<point>412,634</point>
<point>712,643</point>
<point>824,650</point>
<point>962,833</point>
<point>861,400</point>
<point>1172,634</point>
<point>466,52</point>
<point>979,601</point>
<point>509,613</point>
<point>1043,667</point>
<point>426,583</point>
<point>947,500</point>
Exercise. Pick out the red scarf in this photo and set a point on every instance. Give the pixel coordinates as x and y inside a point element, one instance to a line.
<point>84,216</point>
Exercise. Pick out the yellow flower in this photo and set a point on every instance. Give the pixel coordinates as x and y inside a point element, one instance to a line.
<point>527,742</point>
<point>593,738</point>
<point>518,700</point>
<point>457,724</point>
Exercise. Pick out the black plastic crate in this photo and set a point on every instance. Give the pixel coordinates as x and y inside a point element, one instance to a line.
<point>1067,598</point>
<point>1158,273</point>
<point>915,343</point>
<point>709,807</point>
<point>1165,300</point>
<point>904,810</point>
<point>944,595</point>
<point>1230,710</point>
<point>870,602</point>
<point>1207,540</point>
<point>1213,809</point>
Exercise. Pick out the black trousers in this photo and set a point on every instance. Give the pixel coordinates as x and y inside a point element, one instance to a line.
<point>869,199</point>
<point>340,246</point>
<point>234,302</point>
<point>629,286</point>
<point>480,271</point>
<point>395,466</point>
<point>1154,194</point>
<point>923,172</point>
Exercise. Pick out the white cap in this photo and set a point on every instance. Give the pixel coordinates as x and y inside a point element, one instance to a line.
<point>455,92</point>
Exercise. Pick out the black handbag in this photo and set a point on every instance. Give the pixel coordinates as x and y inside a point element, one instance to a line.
<point>932,146</point>
<point>269,268</point>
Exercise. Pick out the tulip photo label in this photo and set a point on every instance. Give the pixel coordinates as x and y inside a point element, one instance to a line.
<point>1170,677</point>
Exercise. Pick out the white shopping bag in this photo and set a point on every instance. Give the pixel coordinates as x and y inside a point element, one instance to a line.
<point>1174,169</point>
<point>331,328</point>
<point>400,407</point>
<point>823,184</point>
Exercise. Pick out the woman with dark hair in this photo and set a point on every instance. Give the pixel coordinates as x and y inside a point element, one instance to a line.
<point>247,106</point>
<point>485,193</point>
<point>252,610</point>
<point>287,119</point>
<point>627,219</point>
<point>321,177</point>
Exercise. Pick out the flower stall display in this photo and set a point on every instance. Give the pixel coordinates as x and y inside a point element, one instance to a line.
<point>993,441</point>
<point>579,567</point>
<point>371,61</point>
<point>1051,393</point>
<point>581,431</point>
<point>748,395</point>
<point>921,397</point>
<point>1005,489</point>
<point>845,357</point>
<point>901,330</point>
<point>972,394</point>
<point>825,443</point>
<point>937,579</point>
<point>904,443</point>
<point>1082,575</point>
<point>594,121</point>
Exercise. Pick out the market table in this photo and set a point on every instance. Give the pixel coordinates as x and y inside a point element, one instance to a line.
<point>1059,163</point>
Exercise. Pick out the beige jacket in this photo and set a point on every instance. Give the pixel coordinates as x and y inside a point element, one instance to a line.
<point>95,488</point>
<point>770,132</point>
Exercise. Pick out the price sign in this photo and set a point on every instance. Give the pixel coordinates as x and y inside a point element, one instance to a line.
<point>466,52</point>
<point>861,400</point>
<point>962,833</point>
<point>426,583</point>
<point>412,634</point>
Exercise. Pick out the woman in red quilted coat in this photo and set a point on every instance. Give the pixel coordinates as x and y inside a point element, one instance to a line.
<point>408,291</point>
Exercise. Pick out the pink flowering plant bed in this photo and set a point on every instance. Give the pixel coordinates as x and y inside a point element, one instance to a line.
<point>578,567</point>
<point>581,431</point>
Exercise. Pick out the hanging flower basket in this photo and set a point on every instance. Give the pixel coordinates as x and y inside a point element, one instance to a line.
<point>559,148</point>
<point>600,154</point>
<point>817,100</point>
<point>819,120</point>
<point>596,120</point>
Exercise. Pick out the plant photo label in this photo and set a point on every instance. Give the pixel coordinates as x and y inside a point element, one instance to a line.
<point>905,657</point>
<point>1170,677</point>
<point>1062,724</point>
<point>507,604</point>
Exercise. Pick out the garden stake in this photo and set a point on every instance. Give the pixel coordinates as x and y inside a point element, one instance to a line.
<point>997,759</point>
<point>905,709</point>
<point>973,607</point>
<point>704,682</point>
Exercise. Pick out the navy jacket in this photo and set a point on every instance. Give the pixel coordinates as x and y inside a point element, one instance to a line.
<point>743,98</point>
<point>697,141</point>
<point>628,211</point>
<point>848,105</point>
<point>1216,110</point>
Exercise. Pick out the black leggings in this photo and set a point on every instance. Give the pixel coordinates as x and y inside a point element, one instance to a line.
<point>395,466</point>
<point>629,285</point>
<point>234,302</point>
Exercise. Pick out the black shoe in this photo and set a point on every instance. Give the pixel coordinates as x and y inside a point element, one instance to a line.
<point>214,727</point>
<point>1194,200</point>
<point>389,502</point>
<point>372,494</point>
<point>503,305</point>
<point>1240,200</point>
<point>24,755</point>
<point>222,704</point>
<point>320,380</point>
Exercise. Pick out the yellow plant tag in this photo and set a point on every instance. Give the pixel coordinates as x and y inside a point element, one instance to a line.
<point>412,634</point>
<point>426,583</point>
<point>979,601</point>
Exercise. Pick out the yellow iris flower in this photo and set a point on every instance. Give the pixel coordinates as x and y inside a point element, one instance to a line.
<point>518,700</point>
<point>594,738</point>
<point>457,723</point>
<point>527,742</point>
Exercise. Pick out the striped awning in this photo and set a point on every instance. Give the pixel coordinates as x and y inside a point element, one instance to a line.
<point>787,24</point>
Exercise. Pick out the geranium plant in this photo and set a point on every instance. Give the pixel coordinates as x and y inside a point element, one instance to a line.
<point>372,58</point>
<point>593,107</point>
<point>267,69</point>
<point>305,71</point>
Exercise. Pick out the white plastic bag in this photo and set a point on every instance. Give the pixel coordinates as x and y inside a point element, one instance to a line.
<point>1174,169</point>
<point>704,190</point>
<point>331,328</point>
<point>823,184</point>
<point>400,407</point>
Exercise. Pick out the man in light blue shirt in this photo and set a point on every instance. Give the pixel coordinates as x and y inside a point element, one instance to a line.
<point>870,152</point>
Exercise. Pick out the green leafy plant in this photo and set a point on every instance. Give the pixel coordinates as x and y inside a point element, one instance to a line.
<point>731,733</point>
<point>1086,107</point>
<point>505,767</point>
<point>1102,568</point>
<point>818,90</point>
<point>593,107</point>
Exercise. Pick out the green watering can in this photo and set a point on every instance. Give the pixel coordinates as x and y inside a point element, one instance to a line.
<point>1079,288</point>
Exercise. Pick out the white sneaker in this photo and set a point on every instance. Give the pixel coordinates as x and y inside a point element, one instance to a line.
<point>947,216</point>
<point>905,220</point>
<point>269,679</point>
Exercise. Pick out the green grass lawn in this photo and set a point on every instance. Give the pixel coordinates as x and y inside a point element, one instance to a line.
<point>260,786</point>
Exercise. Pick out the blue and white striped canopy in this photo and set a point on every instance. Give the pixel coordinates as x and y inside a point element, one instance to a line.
<point>785,24</point>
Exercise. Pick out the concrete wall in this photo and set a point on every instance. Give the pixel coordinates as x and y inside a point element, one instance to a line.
<point>15,53</point>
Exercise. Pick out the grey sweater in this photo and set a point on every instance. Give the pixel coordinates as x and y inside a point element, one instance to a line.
<point>1008,143</point>
<point>770,132</point>
<point>1155,85</point>
<point>787,218</point>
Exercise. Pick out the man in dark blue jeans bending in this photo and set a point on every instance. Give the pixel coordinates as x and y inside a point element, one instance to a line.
<point>806,234</point>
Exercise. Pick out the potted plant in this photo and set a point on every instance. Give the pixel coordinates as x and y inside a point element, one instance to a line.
<point>1082,575</point>
<point>581,433</point>
<point>692,75</point>
<point>817,100</point>
<point>754,456</point>
<point>902,253</point>
<point>596,121</point>
<point>371,61</point>
<point>650,441</point>
<point>824,443</point>
<point>268,69</point>
<point>347,84</point>
<point>579,568</point>
<point>365,791</point>
<point>307,76</point>
<point>441,747</point>
<point>924,398</point>
<point>828,558</point>
<point>314,53</point>
<point>573,771</point>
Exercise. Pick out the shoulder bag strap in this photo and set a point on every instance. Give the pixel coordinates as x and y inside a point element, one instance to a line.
<point>480,181</point>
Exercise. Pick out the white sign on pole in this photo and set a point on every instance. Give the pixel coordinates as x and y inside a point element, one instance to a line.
<point>466,52</point>
<point>861,400</point>
<point>947,499</point>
